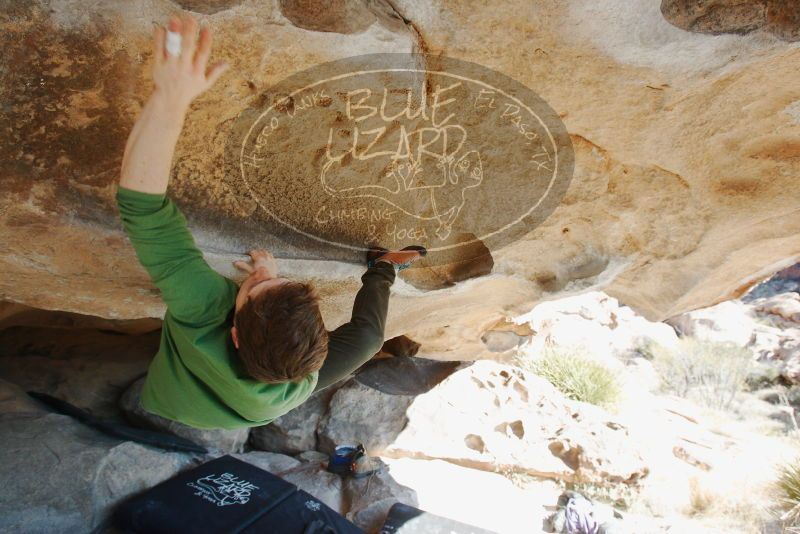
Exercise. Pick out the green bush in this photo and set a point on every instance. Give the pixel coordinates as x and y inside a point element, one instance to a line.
<point>709,372</point>
<point>576,376</point>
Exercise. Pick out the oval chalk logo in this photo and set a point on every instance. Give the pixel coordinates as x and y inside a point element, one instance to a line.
<point>401,149</point>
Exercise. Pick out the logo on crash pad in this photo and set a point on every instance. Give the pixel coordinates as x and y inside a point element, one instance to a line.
<point>224,489</point>
<point>401,149</point>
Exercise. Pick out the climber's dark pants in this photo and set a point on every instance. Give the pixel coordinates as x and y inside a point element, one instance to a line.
<point>351,345</point>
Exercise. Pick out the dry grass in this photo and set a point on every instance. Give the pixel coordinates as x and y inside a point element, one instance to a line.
<point>710,373</point>
<point>700,499</point>
<point>575,376</point>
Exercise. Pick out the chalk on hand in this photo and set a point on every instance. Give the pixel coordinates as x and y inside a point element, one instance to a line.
<point>173,43</point>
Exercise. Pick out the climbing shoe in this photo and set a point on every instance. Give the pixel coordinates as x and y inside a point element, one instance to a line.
<point>375,253</point>
<point>349,460</point>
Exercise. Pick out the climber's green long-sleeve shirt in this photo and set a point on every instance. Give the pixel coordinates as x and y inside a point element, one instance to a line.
<point>195,377</point>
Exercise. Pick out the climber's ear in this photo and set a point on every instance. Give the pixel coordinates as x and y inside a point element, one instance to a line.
<point>235,337</point>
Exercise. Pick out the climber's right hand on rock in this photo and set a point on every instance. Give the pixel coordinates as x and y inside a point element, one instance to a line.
<point>260,259</point>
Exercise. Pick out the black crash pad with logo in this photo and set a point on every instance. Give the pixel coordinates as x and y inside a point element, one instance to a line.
<point>229,496</point>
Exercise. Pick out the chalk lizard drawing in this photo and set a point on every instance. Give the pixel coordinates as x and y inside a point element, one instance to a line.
<point>410,183</point>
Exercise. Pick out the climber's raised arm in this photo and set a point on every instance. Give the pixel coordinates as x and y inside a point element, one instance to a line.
<point>194,293</point>
<point>178,80</point>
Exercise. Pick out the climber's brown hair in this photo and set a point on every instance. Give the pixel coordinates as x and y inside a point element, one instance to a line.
<point>281,334</point>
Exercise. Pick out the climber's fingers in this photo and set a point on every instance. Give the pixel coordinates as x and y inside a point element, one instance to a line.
<point>244,266</point>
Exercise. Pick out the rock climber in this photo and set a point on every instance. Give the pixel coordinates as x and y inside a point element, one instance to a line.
<point>230,356</point>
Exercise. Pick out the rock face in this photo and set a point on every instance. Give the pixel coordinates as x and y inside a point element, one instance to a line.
<point>325,486</point>
<point>595,323</point>
<point>648,107</point>
<point>784,281</point>
<point>369,408</point>
<point>768,326</point>
<point>67,477</point>
<point>487,415</point>
<point>85,367</point>
<point>784,307</point>
<point>296,431</point>
<point>371,499</point>
<point>735,16</point>
<point>492,416</point>
<point>727,321</point>
<point>358,414</point>
<point>484,421</point>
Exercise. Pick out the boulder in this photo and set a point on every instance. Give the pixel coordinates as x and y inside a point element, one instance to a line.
<point>716,16</point>
<point>784,281</point>
<point>503,340</point>
<point>372,497</point>
<point>762,375</point>
<point>734,16</point>
<point>14,400</point>
<point>768,343</point>
<point>295,431</point>
<point>313,456</point>
<point>269,461</point>
<point>790,356</point>
<point>449,490</point>
<point>404,376</point>
<point>337,415</point>
<point>86,367</point>
<point>222,439</point>
<point>360,414</point>
<point>66,476</point>
<point>493,416</point>
<point>785,306</point>
<point>313,478</point>
<point>703,239</point>
<point>779,348</point>
<point>767,326</point>
<point>595,324</point>
<point>729,321</point>
<point>640,374</point>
